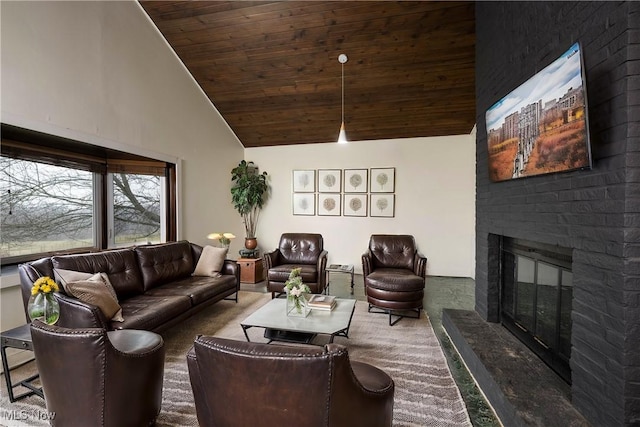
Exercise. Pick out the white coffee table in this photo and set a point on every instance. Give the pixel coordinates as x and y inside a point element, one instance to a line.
<point>280,327</point>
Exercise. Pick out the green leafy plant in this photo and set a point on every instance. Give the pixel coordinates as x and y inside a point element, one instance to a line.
<point>248,193</point>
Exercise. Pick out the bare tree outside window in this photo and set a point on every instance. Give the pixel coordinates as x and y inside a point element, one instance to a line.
<point>44,208</point>
<point>48,208</point>
<point>136,205</point>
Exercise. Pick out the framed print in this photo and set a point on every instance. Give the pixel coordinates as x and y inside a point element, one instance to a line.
<point>356,180</point>
<point>304,181</point>
<point>382,205</point>
<point>329,180</point>
<point>383,180</point>
<point>304,204</point>
<point>355,205</point>
<point>329,204</point>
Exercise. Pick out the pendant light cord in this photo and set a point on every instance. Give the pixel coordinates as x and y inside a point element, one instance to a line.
<point>343,92</point>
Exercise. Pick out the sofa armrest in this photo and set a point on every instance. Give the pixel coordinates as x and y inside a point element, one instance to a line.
<point>367,263</point>
<point>231,267</point>
<point>419,265</point>
<point>78,314</point>
<point>271,259</point>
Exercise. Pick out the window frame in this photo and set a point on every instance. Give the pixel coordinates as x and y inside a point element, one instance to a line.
<point>38,147</point>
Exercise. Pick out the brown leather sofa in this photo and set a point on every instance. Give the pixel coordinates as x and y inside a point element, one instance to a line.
<point>394,275</point>
<point>303,250</point>
<point>153,284</point>
<point>91,377</point>
<point>237,383</point>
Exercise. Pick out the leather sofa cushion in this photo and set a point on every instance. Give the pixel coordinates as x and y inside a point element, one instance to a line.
<point>164,263</point>
<point>120,265</point>
<point>149,312</point>
<point>394,251</point>
<point>198,288</point>
<point>300,248</point>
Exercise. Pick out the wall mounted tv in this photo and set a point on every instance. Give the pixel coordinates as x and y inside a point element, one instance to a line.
<point>541,127</point>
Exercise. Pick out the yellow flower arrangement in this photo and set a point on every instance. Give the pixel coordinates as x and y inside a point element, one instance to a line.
<point>44,285</point>
<point>223,238</point>
<point>43,305</point>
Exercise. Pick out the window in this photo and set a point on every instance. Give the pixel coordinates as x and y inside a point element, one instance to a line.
<point>136,209</point>
<point>45,208</point>
<point>62,196</point>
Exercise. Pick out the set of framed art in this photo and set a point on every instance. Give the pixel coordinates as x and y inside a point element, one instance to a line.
<point>346,192</point>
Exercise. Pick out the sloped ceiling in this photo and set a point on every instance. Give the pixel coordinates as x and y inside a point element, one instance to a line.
<point>272,70</point>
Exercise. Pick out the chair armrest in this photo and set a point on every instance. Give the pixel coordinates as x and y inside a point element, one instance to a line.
<point>367,263</point>
<point>79,314</point>
<point>321,266</point>
<point>271,259</point>
<point>419,265</point>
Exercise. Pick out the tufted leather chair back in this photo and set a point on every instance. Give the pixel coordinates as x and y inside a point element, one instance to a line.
<point>300,248</point>
<point>392,251</point>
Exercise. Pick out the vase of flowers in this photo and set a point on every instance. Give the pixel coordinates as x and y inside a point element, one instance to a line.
<point>42,304</point>
<point>296,295</point>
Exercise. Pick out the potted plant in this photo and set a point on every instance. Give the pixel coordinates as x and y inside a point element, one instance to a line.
<point>248,194</point>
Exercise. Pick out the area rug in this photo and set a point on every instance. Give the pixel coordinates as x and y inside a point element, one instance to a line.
<point>425,395</point>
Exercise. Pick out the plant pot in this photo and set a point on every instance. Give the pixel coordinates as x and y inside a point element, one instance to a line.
<point>44,307</point>
<point>250,243</point>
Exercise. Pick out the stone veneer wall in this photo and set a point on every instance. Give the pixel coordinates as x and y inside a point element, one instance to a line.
<point>596,212</point>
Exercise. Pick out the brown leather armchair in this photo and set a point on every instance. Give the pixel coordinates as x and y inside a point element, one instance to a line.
<point>237,383</point>
<point>91,377</point>
<point>304,250</point>
<point>394,275</point>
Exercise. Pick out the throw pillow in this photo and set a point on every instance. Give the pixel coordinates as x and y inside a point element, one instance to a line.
<point>95,289</point>
<point>210,262</point>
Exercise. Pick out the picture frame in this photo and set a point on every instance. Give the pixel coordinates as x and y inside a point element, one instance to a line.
<point>304,204</point>
<point>382,180</point>
<point>329,204</point>
<point>355,205</point>
<point>329,180</point>
<point>356,180</point>
<point>304,181</point>
<point>382,205</point>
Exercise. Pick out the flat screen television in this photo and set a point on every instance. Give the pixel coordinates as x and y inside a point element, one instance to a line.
<point>541,127</point>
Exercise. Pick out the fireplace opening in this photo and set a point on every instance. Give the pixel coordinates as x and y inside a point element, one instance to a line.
<point>536,297</point>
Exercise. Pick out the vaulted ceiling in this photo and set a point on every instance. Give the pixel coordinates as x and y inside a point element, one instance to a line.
<point>272,71</point>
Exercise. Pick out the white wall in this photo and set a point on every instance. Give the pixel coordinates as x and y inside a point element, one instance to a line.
<point>435,198</point>
<point>100,72</point>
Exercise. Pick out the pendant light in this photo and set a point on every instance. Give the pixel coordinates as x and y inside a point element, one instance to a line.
<point>342,136</point>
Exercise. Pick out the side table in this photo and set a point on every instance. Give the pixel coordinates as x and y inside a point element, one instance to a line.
<point>251,270</point>
<point>339,268</point>
<point>19,337</point>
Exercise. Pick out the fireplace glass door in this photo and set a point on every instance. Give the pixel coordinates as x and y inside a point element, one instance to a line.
<point>536,297</point>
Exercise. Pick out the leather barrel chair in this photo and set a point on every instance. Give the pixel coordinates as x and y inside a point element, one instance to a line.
<point>303,250</point>
<point>394,276</point>
<point>91,377</point>
<point>238,383</point>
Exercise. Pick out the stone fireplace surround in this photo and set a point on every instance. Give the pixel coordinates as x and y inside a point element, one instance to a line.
<point>596,213</point>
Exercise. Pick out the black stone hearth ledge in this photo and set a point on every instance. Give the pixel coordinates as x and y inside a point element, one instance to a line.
<point>522,390</point>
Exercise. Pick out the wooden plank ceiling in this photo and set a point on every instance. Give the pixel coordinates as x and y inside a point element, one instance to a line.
<point>272,70</point>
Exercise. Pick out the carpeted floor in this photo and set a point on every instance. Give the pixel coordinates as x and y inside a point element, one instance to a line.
<point>426,394</point>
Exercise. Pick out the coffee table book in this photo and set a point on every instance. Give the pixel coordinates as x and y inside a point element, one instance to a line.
<point>322,302</point>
